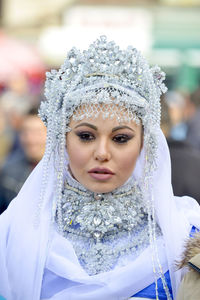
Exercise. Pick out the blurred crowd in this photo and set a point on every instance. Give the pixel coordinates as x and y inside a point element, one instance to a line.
<point>181,125</point>
<point>23,135</point>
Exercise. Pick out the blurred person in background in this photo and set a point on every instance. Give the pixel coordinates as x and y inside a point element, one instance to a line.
<point>20,163</point>
<point>4,137</point>
<point>185,159</point>
<point>14,104</point>
<point>193,123</point>
<point>176,103</point>
<point>190,286</point>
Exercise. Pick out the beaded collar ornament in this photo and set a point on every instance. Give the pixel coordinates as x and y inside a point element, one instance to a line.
<point>105,229</point>
<point>116,84</point>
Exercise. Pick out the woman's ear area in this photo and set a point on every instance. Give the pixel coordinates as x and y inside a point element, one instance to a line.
<point>66,137</point>
<point>142,137</point>
<point>142,141</point>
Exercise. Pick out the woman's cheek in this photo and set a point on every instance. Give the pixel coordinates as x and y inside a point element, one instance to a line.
<point>78,158</point>
<point>129,161</point>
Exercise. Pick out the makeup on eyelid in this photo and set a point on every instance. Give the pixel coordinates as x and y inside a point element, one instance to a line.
<point>120,138</point>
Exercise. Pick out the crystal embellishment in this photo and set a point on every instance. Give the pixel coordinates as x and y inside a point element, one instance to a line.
<point>105,228</point>
<point>97,221</point>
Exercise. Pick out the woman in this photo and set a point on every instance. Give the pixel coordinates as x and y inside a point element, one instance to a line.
<point>97,218</point>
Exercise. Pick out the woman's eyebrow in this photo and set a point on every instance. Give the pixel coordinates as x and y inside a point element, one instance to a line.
<point>122,127</point>
<point>87,124</point>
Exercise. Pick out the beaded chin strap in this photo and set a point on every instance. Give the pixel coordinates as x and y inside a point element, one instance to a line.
<point>117,84</point>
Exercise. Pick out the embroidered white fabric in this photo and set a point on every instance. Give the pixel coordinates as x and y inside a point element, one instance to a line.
<point>25,250</point>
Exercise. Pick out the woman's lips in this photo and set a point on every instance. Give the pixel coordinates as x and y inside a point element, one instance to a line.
<point>101,173</point>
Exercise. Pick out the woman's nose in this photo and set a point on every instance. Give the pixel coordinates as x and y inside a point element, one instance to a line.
<point>102,151</point>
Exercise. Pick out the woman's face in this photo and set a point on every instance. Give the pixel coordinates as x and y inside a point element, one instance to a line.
<point>103,153</point>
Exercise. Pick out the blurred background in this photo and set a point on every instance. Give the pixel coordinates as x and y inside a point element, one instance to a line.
<point>35,36</point>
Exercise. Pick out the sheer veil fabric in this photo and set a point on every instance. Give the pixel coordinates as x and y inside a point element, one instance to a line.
<point>26,250</point>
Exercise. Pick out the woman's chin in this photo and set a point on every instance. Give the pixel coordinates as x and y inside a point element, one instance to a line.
<point>102,188</point>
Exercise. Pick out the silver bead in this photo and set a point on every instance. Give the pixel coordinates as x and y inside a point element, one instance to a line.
<point>97,235</point>
<point>117,220</point>
<point>97,221</point>
<point>98,196</point>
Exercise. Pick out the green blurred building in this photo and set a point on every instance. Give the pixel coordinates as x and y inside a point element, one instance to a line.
<point>174,30</point>
<point>176,44</point>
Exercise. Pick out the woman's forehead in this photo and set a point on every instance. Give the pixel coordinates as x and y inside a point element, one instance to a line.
<point>101,123</point>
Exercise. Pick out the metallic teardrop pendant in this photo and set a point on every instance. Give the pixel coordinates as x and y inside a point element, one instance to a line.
<point>97,235</point>
<point>97,220</point>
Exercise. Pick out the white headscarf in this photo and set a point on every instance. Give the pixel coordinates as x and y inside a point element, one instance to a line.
<point>26,249</point>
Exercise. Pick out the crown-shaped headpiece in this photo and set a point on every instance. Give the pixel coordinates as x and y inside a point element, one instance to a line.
<point>124,74</point>
<point>103,79</point>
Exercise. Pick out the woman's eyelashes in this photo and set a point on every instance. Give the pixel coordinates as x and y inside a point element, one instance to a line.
<point>86,136</point>
<point>122,138</point>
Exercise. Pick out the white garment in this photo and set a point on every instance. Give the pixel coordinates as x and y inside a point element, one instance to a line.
<point>116,284</point>
<point>24,249</point>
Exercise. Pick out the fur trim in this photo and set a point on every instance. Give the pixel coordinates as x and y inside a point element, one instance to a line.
<point>192,248</point>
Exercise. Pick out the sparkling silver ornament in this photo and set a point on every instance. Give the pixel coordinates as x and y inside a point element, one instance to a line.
<point>103,229</point>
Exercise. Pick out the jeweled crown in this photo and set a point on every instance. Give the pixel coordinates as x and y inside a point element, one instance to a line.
<point>103,62</point>
<point>103,80</point>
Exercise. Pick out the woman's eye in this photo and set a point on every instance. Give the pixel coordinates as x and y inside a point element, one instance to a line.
<point>121,138</point>
<point>85,136</point>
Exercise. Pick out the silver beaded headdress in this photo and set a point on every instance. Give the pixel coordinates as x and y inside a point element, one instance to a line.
<point>103,75</point>
<point>108,75</point>
<point>103,80</point>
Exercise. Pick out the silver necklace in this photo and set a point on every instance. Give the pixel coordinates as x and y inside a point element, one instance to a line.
<point>105,229</point>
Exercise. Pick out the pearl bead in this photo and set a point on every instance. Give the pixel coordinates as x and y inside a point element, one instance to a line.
<point>98,197</point>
